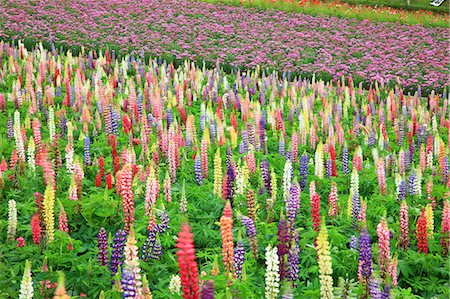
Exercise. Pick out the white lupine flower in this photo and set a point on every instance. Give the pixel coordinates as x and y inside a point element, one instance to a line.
<point>31,158</point>
<point>272,273</point>
<point>418,182</point>
<point>51,123</point>
<point>26,286</point>
<point>318,170</point>
<point>12,220</point>
<point>18,136</point>
<point>175,285</point>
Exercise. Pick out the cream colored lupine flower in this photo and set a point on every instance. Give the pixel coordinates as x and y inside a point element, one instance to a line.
<point>324,261</point>
<point>26,286</point>
<point>175,285</point>
<point>318,167</point>
<point>12,220</point>
<point>272,273</point>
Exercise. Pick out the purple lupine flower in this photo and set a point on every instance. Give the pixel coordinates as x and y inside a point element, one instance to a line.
<point>365,255</point>
<point>169,117</point>
<point>63,126</point>
<point>58,91</point>
<point>72,95</point>
<point>115,119</point>
<point>202,122</point>
<point>164,225</point>
<point>241,148</point>
<point>152,248</point>
<point>407,161</point>
<point>303,171</point>
<point>198,170</point>
<point>149,244</point>
<point>293,260</point>
<point>249,226</point>
<point>262,130</point>
<point>292,204</point>
<point>401,132</point>
<point>345,168</point>
<point>239,257</point>
<point>9,128</point>
<point>87,150</point>
<point>281,146</point>
<point>207,291</point>
<point>127,284</point>
<point>374,289</point>
<point>412,181</point>
<point>117,251</point>
<point>283,247</point>
<point>265,175</point>
<point>245,140</point>
<point>372,140</point>
<point>402,191</point>
<point>102,242</point>
<point>230,184</point>
<point>386,294</point>
<point>355,209</point>
<point>353,242</point>
<point>412,149</point>
<point>212,130</point>
<point>444,178</point>
<point>328,171</point>
<point>288,156</point>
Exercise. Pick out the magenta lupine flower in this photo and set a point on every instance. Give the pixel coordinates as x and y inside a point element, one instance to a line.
<point>283,246</point>
<point>207,291</point>
<point>102,240</point>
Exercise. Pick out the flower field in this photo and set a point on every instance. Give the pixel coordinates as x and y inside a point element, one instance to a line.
<point>131,178</point>
<point>240,37</point>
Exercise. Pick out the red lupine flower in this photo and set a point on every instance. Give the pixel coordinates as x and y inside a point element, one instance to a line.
<point>332,152</point>
<point>109,179</point>
<point>422,238</point>
<point>101,165</point>
<point>36,228</point>
<point>315,211</point>
<point>98,180</point>
<point>187,263</point>
<point>20,242</point>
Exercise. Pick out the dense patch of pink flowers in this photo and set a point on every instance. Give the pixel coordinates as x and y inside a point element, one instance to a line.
<point>239,36</point>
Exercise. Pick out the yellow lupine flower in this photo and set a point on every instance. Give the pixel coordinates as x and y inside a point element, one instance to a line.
<point>49,218</point>
<point>324,261</point>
